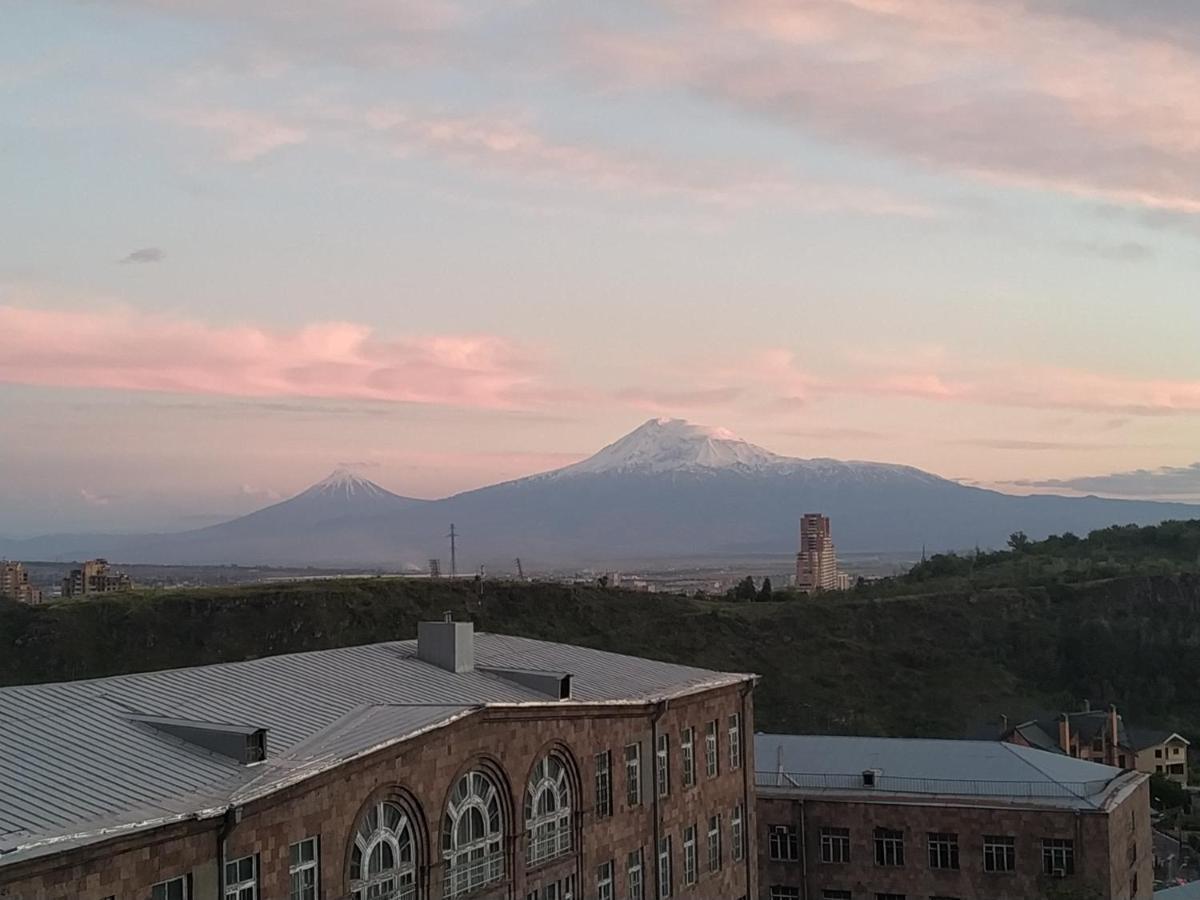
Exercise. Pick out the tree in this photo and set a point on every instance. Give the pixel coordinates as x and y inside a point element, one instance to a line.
<point>1019,542</point>
<point>745,589</point>
<point>602,581</point>
<point>1166,794</point>
<point>764,593</point>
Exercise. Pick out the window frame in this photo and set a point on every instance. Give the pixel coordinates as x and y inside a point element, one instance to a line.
<point>605,881</point>
<point>232,889</point>
<point>735,741</point>
<point>715,856</point>
<point>635,874</point>
<point>889,848</point>
<point>736,834</point>
<point>305,865</point>
<point>687,750</point>
<point>712,758</point>
<point>662,766</point>
<point>1054,848</point>
<point>999,848</point>
<point>664,867</point>
<point>185,888</point>
<point>399,838</point>
<point>691,865</point>
<point>943,850</point>
<point>783,843</point>
<point>603,783</point>
<point>834,844</point>
<point>633,774</point>
<point>550,834</point>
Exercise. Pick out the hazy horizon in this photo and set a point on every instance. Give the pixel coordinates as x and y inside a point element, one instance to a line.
<point>450,244</point>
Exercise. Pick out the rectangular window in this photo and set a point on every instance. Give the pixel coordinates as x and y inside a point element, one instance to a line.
<point>784,892</point>
<point>1058,856</point>
<point>633,774</point>
<point>714,843</point>
<point>635,878</point>
<point>943,850</point>
<point>689,854</point>
<point>889,897</point>
<point>835,845</point>
<point>664,867</point>
<point>735,741</point>
<point>999,853</point>
<point>241,879</point>
<point>604,806</point>
<point>783,843</point>
<point>687,746</point>
<point>835,895</point>
<point>889,847</point>
<point>173,889</point>
<point>604,881</point>
<point>711,764</point>
<point>662,765</point>
<point>304,869</point>
<point>736,847</point>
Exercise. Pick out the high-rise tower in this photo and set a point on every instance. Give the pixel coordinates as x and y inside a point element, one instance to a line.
<point>816,563</point>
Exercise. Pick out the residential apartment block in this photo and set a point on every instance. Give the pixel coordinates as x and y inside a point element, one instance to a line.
<point>816,561</point>
<point>458,765</point>
<point>95,577</point>
<point>14,583</point>
<point>1103,736</point>
<point>847,818</point>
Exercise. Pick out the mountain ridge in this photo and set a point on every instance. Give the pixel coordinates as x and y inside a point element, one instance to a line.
<point>668,488</point>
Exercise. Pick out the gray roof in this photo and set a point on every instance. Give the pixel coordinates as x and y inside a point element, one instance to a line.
<point>1180,892</point>
<point>944,769</point>
<point>78,762</point>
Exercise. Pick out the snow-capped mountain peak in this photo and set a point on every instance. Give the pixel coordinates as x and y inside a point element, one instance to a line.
<point>342,482</point>
<point>671,445</point>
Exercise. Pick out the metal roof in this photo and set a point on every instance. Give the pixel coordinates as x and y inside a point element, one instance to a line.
<point>1189,891</point>
<point>78,762</point>
<point>978,770</point>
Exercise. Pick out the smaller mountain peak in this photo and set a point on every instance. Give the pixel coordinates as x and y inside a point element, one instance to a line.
<point>345,481</point>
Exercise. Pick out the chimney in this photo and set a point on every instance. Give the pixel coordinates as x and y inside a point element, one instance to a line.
<point>447,644</point>
<point>1087,705</point>
<point>1003,726</point>
<point>1064,733</point>
<point>1115,734</point>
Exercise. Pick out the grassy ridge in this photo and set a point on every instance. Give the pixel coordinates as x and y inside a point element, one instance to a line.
<point>934,660</point>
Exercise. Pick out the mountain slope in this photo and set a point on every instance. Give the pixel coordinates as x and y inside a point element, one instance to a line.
<point>667,489</point>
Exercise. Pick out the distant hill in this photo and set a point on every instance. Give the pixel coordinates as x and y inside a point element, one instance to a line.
<point>667,489</point>
<point>937,657</point>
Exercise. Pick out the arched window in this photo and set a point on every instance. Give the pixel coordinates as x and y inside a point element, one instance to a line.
<point>473,835</point>
<point>383,862</point>
<point>548,821</point>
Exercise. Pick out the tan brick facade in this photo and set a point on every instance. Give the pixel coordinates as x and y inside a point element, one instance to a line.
<point>423,770</point>
<point>1111,849</point>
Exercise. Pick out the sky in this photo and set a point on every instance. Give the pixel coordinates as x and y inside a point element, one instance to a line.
<point>450,243</point>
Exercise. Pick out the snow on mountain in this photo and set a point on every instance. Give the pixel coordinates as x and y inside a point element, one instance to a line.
<point>672,445</point>
<point>345,484</point>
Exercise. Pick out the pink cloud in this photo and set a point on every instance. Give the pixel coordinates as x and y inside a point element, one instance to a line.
<point>244,135</point>
<point>124,349</point>
<point>995,89</point>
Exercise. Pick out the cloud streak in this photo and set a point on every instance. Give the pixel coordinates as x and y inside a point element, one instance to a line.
<point>144,255</point>
<point>128,350</point>
<point>993,89</point>
<point>1165,481</point>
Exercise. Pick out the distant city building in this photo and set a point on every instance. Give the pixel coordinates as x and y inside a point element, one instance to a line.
<point>862,817</point>
<point>1102,736</point>
<point>14,583</point>
<point>455,766</point>
<point>95,577</point>
<point>816,563</point>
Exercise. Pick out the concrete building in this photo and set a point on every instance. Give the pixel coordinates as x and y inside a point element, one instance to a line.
<point>457,765</point>
<point>14,583</point>
<point>816,562</point>
<point>870,818</point>
<point>1102,736</point>
<point>95,577</point>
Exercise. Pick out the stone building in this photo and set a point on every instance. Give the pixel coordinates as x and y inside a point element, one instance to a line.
<point>847,818</point>
<point>14,583</point>
<point>95,577</point>
<point>816,561</point>
<point>459,765</point>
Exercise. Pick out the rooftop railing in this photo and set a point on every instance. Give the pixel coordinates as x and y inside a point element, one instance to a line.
<point>895,784</point>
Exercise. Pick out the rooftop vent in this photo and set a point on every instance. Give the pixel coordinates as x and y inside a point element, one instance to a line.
<point>870,777</point>
<point>552,684</point>
<point>242,743</point>
<point>447,644</point>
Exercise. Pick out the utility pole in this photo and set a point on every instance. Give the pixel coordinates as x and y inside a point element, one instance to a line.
<point>453,558</point>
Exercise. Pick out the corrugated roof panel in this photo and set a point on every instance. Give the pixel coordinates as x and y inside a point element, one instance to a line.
<point>73,760</point>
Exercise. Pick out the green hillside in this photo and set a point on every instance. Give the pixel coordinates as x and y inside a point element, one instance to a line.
<point>931,653</point>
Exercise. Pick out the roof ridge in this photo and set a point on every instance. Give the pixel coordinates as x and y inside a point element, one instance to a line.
<point>1012,748</point>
